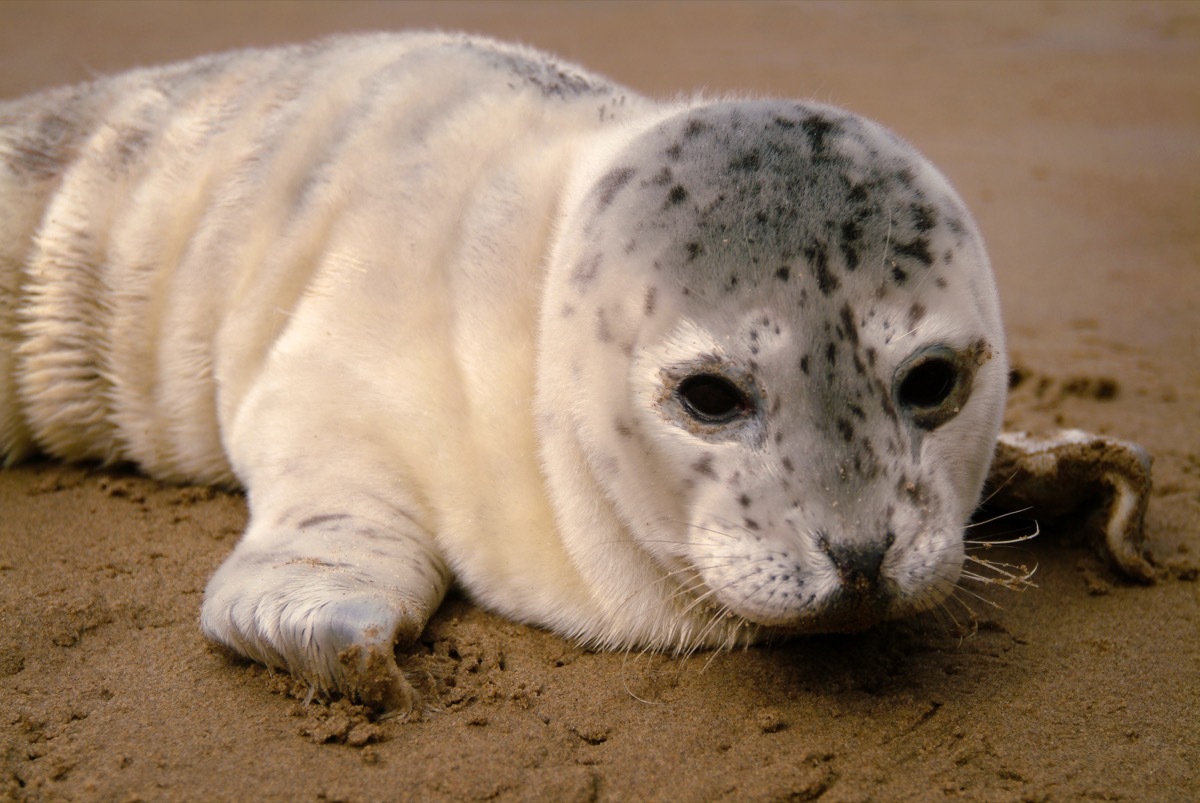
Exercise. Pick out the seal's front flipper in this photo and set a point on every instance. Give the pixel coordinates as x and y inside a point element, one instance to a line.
<point>328,597</point>
<point>1103,481</point>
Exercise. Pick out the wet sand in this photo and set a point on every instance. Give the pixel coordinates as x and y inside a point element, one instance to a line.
<point>1072,131</point>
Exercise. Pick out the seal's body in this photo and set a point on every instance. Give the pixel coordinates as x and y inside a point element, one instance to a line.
<point>660,375</point>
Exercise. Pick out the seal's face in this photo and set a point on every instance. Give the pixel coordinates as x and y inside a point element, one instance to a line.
<point>805,359</point>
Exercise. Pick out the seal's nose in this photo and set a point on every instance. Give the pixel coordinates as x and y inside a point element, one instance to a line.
<point>859,564</point>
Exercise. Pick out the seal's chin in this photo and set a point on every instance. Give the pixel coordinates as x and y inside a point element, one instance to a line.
<point>848,605</point>
<point>843,613</point>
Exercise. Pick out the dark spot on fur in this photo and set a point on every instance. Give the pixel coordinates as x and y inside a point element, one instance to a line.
<point>819,259</point>
<point>818,129</point>
<point>677,195</point>
<point>859,368</point>
<point>44,155</point>
<point>651,301</point>
<point>551,78</point>
<point>130,144</point>
<point>787,465</point>
<point>851,331</point>
<point>918,249</point>
<point>586,270</point>
<point>845,429</point>
<point>746,162</point>
<point>783,273</point>
<point>750,524</point>
<point>924,217</point>
<point>325,518</point>
<point>851,238</point>
<point>623,429</point>
<point>662,178</point>
<point>675,151</point>
<point>694,129</point>
<point>899,275</point>
<point>831,353</point>
<point>744,500</point>
<point>915,313</point>
<point>804,364</point>
<point>704,466</point>
<point>608,187</point>
<point>694,250</point>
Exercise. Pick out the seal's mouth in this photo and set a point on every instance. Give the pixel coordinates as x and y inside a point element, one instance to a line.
<point>822,580</point>
<point>852,597</point>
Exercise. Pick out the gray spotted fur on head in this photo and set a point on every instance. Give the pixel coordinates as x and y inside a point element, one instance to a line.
<point>809,258</point>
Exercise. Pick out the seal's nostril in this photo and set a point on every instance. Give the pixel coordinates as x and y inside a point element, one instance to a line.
<point>859,564</point>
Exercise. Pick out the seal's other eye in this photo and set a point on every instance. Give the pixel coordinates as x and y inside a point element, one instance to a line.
<point>934,385</point>
<point>928,383</point>
<point>712,399</point>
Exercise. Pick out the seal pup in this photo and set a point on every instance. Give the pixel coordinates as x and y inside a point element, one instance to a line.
<point>661,375</point>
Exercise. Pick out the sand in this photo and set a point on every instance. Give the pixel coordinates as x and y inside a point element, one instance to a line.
<point>1072,130</point>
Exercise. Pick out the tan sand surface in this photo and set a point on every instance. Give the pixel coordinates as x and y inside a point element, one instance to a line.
<point>1072,130</point>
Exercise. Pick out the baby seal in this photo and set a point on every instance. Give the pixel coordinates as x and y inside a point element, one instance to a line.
<point>659,375</point>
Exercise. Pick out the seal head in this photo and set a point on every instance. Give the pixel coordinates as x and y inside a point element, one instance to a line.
<point>788,371</point>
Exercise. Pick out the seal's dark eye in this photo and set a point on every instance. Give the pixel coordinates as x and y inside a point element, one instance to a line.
<point>934,385</point>
<point>928,383</point>
<point>712,399</point>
